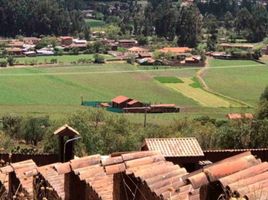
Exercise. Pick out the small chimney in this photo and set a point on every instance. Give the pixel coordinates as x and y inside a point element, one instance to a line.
<point>65,133</point>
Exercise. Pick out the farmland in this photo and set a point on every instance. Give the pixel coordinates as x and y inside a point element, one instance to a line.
<point>243,82</point>
<point>57,91</point>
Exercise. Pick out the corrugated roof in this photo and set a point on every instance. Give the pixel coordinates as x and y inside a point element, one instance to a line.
<point>174,147</point>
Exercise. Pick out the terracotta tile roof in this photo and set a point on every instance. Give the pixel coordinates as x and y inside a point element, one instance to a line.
<point>240,116</point>
<point>55,180</point>
<point>138,49</point>
<point>163,105</point>
<point>133,102</point>
<point>120,99</point>
<point>176,50</point>
<point>24,173</point>
<point>174,147</point>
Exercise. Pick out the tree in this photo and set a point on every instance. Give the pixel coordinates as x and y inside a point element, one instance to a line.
<point>34,128</point>
<point>212,31</point>
<point>228,20</point>
<point>189,26</point>
<point>99,59</point>
<point>262,112</point>
<point>243,23</point>
<point>11,60</point>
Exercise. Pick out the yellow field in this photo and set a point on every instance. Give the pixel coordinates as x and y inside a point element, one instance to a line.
<point>199,95</point>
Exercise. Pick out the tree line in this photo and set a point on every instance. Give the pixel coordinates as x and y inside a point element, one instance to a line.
<point>40,17</point>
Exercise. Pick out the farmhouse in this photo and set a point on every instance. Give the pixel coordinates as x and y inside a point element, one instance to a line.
<point>31,40</point>
<point>164,108</point>
<point>134,103</point>
<point>238,116</point>
<point>66,40</point>
<point>127,43</point>
<point>120,102</point>
<point>227,46</point>
<point>14,51</point>
<point>176,50</point>
<point>137,50</point>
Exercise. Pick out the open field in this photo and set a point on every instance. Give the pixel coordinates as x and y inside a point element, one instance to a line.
<point>60,87</point>
<point>224,63</point>
<point>243,83</point>
<point>201,96</point>
<point>57,91</point>
<point>64,59</point>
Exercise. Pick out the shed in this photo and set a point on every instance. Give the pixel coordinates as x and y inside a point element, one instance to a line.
<point>120,101</point>
<point>183,151</point>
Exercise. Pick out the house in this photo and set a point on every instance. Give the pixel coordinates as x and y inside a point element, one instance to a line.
<point>127,43</point>
<point>14,51</point>
<point>16,44</point>
<point>238,116</point>
<point>66,40</point>
<point>145,55</point>
<point>192,60</point>
<point>134,103</point>
<point>164,108</point>
<point>120,102</point>
<point>226,46</point>
<point>176,150</point>
<point>137,50</point>
<point>176,50</point>
<point>31,40</point>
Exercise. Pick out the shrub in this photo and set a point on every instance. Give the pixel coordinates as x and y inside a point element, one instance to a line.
<point>11,60</point>
<point>3,63</point>
<point>99,59</point>
<point>54,61</point>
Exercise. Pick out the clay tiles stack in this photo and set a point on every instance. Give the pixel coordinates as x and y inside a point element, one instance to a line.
<point>242,176</point>
<point>48,183</point>
<point>93,181</point>
<point>147,175</point>
<point>21,179</point>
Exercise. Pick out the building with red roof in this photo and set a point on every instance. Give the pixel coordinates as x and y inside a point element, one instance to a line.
<point>120,101</point>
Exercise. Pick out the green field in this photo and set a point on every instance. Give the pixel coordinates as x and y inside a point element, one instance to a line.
<point>93,23</point>
<point>57,91</point>
<point>64,59</point>
<point>50,88</point>
<point>245,81</point>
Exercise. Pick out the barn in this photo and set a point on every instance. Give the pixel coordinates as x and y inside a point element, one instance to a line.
<point>120,101</point>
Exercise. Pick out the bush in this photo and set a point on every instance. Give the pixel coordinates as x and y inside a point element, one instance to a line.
<point>11,60</point>
<point>131,60</point>
<point>3,63</point>
<point>99,59</point>
<point>54,61</point>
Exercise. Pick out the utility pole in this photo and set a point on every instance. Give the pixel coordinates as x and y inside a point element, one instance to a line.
<point>145,117</point>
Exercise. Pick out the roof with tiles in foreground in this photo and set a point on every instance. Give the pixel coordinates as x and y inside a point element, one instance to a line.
<point>174,147</point>
<point>242,175</point>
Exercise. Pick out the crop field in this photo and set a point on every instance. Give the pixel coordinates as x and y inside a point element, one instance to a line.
<point>64,59</point>
<point>57,91</point>
<point>50,88</point>
<point>245,82</point>
<point>199,95</point>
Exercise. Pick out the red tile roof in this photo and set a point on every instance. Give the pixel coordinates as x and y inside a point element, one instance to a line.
<point>120,99</point>
<point>174,147</point>
<point>175,50</point>
<point>240,116</point>
<point>133,102</point>
<point>163,105</point>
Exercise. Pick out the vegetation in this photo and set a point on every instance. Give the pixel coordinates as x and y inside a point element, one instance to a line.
<point>166,79</point>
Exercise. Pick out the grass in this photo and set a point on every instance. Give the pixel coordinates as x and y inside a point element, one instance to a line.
<point>53,89</point>
<point>168,79</point>
<point>93,23</point>
<point>199,95</point>
<point>64,59</point>
<point>224,63</point>
<point>243,83</point>
<point>196,83</point>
